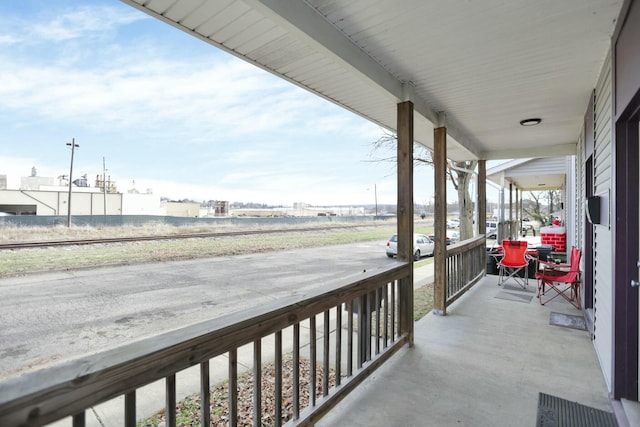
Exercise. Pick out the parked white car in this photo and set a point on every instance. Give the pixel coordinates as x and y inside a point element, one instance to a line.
<point>492,230</point>
<point>422,246</point>
<point>453,223</point>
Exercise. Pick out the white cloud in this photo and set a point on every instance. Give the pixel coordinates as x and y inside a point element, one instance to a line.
<point>179,117</point>
<point>81,22</point>
<point>17,167</point>
<point>202,99</point>
<point>8,39</point>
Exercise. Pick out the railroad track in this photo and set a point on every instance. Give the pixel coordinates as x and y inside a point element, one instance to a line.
<point>74,242</point>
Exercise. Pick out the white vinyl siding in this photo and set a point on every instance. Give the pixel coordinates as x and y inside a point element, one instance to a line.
<point>580,194</point>
<point>571,202</point>
<point>603,283</point>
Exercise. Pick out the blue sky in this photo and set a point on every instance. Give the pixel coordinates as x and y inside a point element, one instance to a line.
<point>173,114</point>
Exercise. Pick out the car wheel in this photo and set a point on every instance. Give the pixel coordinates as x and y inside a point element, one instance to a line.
<point>390,255</point>
<point>416,256</point>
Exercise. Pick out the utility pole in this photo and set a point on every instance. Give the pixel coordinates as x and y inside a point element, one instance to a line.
<point>73,146</point>
<point>375,192</point>
<point>104,185</point>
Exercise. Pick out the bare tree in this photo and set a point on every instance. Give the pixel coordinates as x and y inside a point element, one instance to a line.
<point>535,209</point>
<point>553,197</point>
<point>459,173</point>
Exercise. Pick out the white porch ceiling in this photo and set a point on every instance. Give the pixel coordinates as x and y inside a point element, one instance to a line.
<point>478,67</point>
<point>548,173</point>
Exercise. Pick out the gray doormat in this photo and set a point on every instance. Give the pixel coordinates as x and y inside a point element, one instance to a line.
<point>518,288</point>
<point>568,321</point>
<point>557,412</point>
<point>513,296</point>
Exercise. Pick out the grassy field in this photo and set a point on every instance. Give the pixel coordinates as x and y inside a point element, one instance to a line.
<point>38,260</point>
<point>24,261</point>
<point>11,233</point>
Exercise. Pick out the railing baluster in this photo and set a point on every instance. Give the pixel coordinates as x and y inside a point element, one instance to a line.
<point>446,280</point>
<point>368,327</point>
<point>170,409</point>
<point>79,420</point>
<point>455,272</point>
<point>393,310</point>
<point>205,394</point>
<point>464,271</point>
<point>385,297</point>
<point>130,409</point>
<point>452,275</point>
<point>461,271</point>
<point>325,356</point>
<point>312,361</point>
<point>257,383</point>
<point>350,339</point>
<point>296,371</point>
<point>278,380</point>
<point>378,294</point>
<point>233,388</point>
<point>338,343</point>
<point>450,271</point>
<point>361,330</point>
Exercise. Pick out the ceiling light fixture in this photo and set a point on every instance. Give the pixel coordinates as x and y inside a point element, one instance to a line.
<point>530,122</point>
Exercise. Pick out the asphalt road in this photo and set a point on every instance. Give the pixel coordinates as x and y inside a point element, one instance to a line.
<point>49,318</point>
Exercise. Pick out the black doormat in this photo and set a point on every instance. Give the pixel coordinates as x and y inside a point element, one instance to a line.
<point>557,412</point>
<point>568,321</point>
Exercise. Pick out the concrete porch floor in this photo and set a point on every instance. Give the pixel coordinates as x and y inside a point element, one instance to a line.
<point>481,365</point>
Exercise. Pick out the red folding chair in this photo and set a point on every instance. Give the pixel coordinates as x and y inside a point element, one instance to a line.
<point>513,262</point>
<point>561,280</point>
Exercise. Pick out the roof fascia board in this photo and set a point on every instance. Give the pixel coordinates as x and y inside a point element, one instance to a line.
<point>305,22</point>
<point>538,152</point>
<point>300,19</point>
<point>507,166</point>
<point>224,48</point>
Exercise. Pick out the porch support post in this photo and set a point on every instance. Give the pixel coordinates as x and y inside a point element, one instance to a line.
<point>482,197</point>
<point>509,228</point>
<point>518,217</point>
<point>522,207</point>
<point>481,203</point>
<point>440,220</point>
<point>510,202</point>
<point>405,212</point>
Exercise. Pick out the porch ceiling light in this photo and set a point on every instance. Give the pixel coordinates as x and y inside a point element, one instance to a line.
<point>531,122</point>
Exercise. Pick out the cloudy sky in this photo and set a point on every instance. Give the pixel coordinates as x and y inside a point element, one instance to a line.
<point>172,114</point>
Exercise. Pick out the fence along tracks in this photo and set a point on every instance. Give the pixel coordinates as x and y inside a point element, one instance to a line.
<point>75,242</point>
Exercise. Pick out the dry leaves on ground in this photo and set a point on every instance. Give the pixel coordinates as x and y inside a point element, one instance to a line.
<point>188,410</point>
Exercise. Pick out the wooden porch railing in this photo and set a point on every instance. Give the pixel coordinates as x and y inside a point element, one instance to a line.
<point>353,349</point>
<point>466,265</point>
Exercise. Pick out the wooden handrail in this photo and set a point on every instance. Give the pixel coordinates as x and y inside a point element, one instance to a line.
<point>465,245</point>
